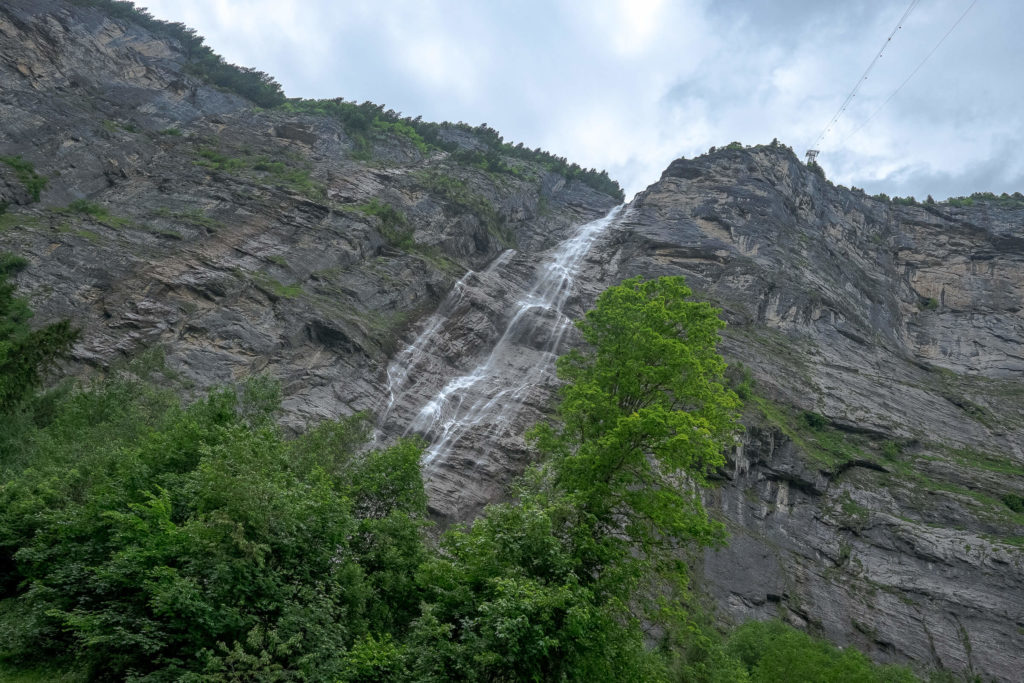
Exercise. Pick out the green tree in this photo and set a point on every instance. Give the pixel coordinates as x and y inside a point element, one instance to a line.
<point>161,542</point>
<point>504,600</point>
<point>25,354</point>
<point>644,417</point>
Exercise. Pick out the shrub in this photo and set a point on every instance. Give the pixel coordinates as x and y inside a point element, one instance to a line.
<point>88,208</point>
<point>814,420</point>
<point>774,652</point>
<point>816,169</point>
<point>1014,502</point>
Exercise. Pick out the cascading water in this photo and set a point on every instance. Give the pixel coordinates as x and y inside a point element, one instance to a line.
<point>491,395</point>
<point>409,358</point>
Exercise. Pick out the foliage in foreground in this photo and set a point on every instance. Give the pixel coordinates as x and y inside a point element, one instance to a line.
<point>144,539</point>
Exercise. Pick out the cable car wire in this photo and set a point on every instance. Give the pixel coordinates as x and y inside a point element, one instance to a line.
<point>864,77</point>
<point>912,73</point>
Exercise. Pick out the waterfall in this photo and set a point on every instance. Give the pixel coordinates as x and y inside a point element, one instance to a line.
<point>409,358</point>
<point>487,398</point>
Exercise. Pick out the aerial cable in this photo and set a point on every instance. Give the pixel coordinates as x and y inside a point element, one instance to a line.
<point>864,77</point>
<point>912,73</point>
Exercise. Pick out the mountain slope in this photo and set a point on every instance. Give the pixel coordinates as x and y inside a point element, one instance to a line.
<point>178,214</point>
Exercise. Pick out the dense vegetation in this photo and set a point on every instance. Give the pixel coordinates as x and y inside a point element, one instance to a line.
<point>148,540</point>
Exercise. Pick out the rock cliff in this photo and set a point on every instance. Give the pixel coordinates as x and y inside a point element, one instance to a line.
<point>178,215</point>
<point>878,346</point>
<point>882,347</point>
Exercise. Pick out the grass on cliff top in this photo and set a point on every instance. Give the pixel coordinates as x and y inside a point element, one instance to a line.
<point>201,61</point>
<point>367,121</point>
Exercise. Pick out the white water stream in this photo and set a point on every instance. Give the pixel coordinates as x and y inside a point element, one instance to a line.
<point>490,396</point>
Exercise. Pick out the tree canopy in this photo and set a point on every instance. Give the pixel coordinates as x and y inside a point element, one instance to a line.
<point>644,415</point>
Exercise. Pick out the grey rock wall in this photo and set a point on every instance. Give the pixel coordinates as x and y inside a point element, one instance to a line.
<point>237,239</point>
<point>886,420</point>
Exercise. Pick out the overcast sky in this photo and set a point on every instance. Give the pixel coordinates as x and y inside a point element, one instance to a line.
<point>630,85</point>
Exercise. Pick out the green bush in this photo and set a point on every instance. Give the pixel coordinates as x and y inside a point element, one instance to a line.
<point>814,420</point>
<point>147,537</point>
<point>88,208</point>
<point>1014,502</point>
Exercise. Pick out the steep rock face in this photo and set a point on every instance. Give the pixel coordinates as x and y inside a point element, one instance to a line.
<point>886,421</point>
<point>241,241</point>
<point>881,348</point>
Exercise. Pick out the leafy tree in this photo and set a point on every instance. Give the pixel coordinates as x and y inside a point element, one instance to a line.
<point>25,354</point>
<point>161,542</point>
<point>505,600</point>
<point>644,418</point>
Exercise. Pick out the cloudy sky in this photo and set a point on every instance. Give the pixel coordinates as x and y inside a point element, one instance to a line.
<point>629,85</point>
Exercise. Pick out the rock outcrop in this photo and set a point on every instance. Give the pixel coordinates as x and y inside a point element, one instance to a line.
<point>882,345</point>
